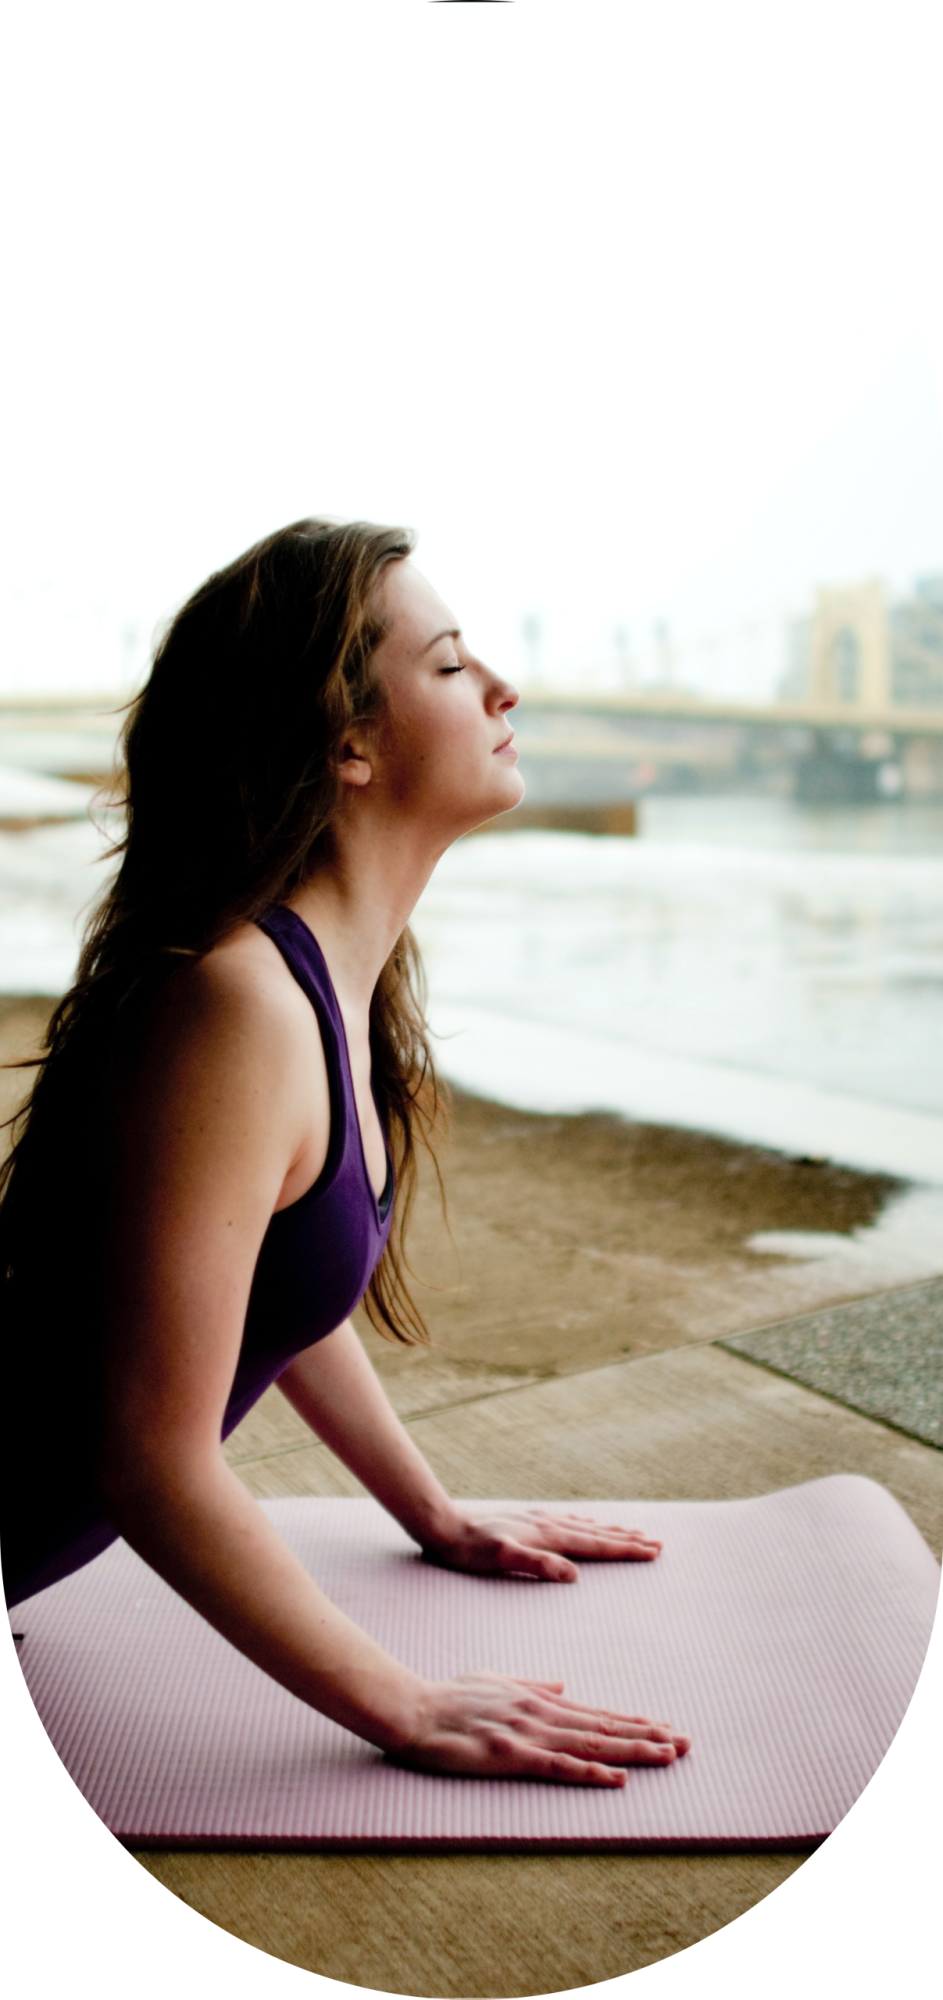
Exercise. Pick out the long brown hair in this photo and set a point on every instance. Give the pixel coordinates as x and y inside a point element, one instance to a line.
<point>229,782</point>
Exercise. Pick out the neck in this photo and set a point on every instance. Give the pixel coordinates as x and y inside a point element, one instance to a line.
<point>361,898</point>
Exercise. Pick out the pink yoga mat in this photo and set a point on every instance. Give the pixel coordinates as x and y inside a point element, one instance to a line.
<point>785,1634</point>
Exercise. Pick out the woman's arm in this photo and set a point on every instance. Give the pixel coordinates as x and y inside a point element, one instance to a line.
<point>213,1122</point>
<point>335,1389</point>
<point>222,1118</point>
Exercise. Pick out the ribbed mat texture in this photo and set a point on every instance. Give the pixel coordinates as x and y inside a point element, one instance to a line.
<point>785,1634</point>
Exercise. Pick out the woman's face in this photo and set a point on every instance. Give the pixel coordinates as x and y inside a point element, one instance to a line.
<point>442,748</point>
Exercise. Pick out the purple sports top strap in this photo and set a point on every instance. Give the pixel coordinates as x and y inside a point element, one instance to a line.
<point>318,1256</point>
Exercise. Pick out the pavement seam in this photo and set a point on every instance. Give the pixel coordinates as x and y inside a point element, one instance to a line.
<point>827,1395</point>
<point>630,1361</point>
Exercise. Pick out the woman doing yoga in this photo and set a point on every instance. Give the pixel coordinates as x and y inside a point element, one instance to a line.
<point>202,1185</point>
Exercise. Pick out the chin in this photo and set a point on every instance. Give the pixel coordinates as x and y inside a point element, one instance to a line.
<point>512,795</point>
<point>501,792</point>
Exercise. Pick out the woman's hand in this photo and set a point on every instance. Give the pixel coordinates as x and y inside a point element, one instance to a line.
<point>491,1726</point>
<point>535,1543</point>
<point>335,1389</point>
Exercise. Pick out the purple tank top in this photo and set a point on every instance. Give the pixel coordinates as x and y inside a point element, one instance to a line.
<point>316,1261</point>
<point>318,1256</point>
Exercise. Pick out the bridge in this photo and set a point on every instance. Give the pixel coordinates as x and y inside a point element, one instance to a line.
<point>599,750</point>
<point>583,748</point>
<point>675,704</point>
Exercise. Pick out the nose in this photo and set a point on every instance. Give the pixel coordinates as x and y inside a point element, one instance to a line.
<point>501,695</point>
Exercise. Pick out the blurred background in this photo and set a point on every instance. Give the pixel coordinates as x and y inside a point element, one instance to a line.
<point>644,346</point>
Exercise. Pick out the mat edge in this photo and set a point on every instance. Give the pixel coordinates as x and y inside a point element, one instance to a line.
<point>164,1844</point>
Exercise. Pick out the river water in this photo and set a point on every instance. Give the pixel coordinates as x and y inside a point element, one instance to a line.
<point>743,965</point>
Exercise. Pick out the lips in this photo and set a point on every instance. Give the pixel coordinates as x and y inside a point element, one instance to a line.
<point>506,745</point>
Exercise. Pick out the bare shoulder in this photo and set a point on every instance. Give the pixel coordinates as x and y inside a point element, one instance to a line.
<point>230,1071</point>
<point>241,992</point>
<point>246,973</point>
<point>233,1020</point>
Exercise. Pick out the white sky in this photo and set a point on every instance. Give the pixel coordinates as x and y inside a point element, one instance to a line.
<point>628,310</point>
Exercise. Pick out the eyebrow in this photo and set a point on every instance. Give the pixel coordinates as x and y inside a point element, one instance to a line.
<point>452,632</point>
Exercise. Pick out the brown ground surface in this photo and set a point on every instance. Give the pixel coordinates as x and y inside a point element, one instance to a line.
<point>593,1263</point>
<point>578,1241</point>
<point>22,1024</point>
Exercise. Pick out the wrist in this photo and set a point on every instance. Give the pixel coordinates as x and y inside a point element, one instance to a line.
<point>394,1715</point>
<point>443,1528</point>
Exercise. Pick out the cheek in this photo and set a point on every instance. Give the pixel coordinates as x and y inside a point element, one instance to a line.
<point>426,738</point>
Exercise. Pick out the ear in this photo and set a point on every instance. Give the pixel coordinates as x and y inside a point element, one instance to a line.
<point>354,768</point>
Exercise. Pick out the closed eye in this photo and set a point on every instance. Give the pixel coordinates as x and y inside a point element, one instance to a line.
<point>455,667</point>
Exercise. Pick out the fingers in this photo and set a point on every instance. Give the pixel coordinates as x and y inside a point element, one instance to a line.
<point>551,1687</point>
<point>610,1737</point>
<point>548,1555</point>
<point>490,1726</point>
<point>580,1535</point>
<point>554,1565</point>
<point>577,1535</point>
<point>542,1711</point>
<point>530,1542</point>
<point>517,1560</point>
<point>559,1767</point>
<point>598,1746</point>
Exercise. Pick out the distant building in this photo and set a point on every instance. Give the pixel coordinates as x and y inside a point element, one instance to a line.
<point>856,651</point>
